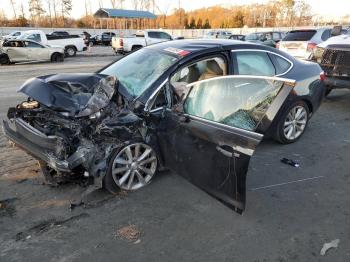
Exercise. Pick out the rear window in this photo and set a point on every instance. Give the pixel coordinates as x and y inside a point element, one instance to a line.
<point>302,35</point>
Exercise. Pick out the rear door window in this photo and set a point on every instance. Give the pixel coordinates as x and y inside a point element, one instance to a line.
<point>300,35</point>
<point>254,63</point>
<point>282,65</point>
<point>153,35</point>
<point>237,102</point>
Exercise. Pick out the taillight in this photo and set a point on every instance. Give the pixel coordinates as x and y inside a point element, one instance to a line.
<point>121,42</point>
<point>278,45</point>
<point>311,47</point>
<point>322,76</point>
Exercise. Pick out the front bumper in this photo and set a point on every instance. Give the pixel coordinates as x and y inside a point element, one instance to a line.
<point>43,147</point>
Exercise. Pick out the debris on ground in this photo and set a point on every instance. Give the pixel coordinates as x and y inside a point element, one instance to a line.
<point>290,162</point>
<point>129,233</point>
<point>327,246</point>
<point>46,225</point>
<point>7,207</point>
<point>74,205</point>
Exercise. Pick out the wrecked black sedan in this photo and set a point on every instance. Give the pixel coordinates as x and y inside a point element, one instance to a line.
<point>197,107</point>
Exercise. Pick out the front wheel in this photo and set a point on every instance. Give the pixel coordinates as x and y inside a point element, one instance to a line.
<point>131,168</point>
<point>293,123</point>
<point>4,60</point>
<point>57,57</point>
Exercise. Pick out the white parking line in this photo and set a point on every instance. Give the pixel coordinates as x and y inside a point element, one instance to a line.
<point>286,183</point>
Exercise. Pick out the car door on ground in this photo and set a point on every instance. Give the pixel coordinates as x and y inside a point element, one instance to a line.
<point>209,135</point>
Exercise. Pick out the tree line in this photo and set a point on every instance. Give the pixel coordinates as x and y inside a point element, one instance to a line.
<point>57,13</point>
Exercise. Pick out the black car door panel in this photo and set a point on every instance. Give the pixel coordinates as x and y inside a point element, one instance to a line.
<point>210,142</point>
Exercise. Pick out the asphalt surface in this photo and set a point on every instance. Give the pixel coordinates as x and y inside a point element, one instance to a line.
<point>290,213</point>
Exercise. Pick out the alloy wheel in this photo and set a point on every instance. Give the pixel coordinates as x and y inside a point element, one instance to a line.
<point>134,166</point>
<point>295,122</point>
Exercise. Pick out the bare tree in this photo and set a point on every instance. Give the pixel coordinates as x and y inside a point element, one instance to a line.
<point>13,4</point>
<point>121,3</point>
<point>53,3</point>
<point>66,8</point>
<point>114,4</point>
<point>49,8</point>
<point>36,10</point>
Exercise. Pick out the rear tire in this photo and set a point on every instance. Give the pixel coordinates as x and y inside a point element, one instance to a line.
<point>292,123</point>
<point>135,48</point>
<point>70,51</point>
<point>328,91</point>
<point>4,60</point>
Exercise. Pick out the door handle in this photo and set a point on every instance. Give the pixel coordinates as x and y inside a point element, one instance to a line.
<point>226,152</point>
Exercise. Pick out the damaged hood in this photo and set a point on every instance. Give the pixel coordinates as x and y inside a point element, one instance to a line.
<point>78,95</point>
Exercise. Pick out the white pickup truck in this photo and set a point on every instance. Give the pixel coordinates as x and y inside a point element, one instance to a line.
<point>141,39</point>
<point>71,43</point>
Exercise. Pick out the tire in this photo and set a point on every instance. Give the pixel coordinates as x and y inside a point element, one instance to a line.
<point>4,60</point>
<point>135,48</point>
<point>328,91</point>
<point>131,167</point>
<point>57,57</point>
<point>293,123</point>
<point>70,51</point>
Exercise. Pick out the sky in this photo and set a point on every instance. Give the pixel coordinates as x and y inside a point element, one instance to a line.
<point>337,8</point>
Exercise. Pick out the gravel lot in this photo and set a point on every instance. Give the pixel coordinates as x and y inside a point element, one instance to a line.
<point>291,212</point>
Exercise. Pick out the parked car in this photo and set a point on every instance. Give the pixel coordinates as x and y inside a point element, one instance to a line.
<point>102,39</point>
<point>237,37</point>
<point>302,43</point>
<point>12,35</point>
<point>265,38</point>
<point>71,44</point>
<point>59,33</point>
<point>141,39</point>
<point>198,107</point>
<point>218,34</point>
<point>333,56</point>
<point>14,51</point>
<point>94,40</point>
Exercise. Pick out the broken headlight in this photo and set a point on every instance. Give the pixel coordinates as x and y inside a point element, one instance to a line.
<point>28,105</point>
<point>96,115</point>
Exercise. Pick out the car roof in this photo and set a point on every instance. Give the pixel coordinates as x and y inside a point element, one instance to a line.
<point>197,45</point>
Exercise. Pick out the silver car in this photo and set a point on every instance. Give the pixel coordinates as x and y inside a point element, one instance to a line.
<point>301,43</point>
<point>14,51</point>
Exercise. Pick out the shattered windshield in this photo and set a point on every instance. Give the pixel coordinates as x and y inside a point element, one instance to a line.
<point>138,71</point>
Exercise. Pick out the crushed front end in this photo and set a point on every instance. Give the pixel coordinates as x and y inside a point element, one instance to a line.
<point>71,124</point>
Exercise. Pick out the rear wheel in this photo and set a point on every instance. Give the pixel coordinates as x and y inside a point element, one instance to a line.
<point>71,51</point>
<point>293,123</point>
<point>131,168</point>
<point>135,48</point>
<point>328,91</point>
<point>4,60</point>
